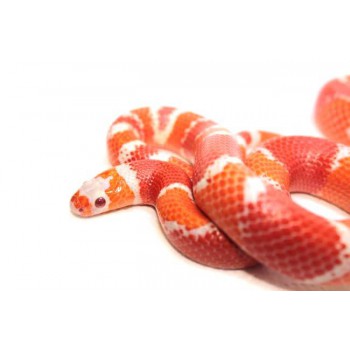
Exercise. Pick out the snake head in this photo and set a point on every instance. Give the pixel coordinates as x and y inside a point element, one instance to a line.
<point>105,192</point>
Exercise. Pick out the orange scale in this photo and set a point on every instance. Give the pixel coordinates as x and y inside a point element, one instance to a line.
<point>338,109</point>
<point>266,135</point>
<point>145,114</point>
<point>129,119</point>
<point>189,140</point>
<point>175,205</point>
<point>186,167</point>
<point>115,143</point>
<point>182,123</point>
<point>337,187</point>
<point>119,193</point>
<point>272,169</point>
<point>217,205</point>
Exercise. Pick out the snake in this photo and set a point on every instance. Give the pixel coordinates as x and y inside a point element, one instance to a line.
<point>223,199</point>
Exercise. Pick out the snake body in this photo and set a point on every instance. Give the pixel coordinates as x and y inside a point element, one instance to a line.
<point>233,208</point>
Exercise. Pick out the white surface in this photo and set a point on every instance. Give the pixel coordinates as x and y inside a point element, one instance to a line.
<point>67,70</point>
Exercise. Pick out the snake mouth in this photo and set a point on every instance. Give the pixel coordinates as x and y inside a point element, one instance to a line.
<point>80,205</point>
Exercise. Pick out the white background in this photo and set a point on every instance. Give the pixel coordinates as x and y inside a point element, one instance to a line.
<point>113,282</point>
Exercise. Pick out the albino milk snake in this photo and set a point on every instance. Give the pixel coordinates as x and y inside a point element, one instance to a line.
<point>246,194</point>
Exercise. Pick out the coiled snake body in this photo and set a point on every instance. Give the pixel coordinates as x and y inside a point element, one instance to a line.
<point>246,214</point>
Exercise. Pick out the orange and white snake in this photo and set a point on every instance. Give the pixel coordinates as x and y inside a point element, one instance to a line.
<point>246,213</point>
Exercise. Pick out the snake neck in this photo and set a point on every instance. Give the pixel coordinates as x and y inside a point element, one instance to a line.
<point>154,177</point>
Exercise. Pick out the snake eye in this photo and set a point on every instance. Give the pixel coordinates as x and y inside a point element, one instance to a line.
<point>100,202</point>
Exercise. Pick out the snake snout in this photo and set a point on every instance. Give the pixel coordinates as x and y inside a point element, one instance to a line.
<point>80,205</point>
